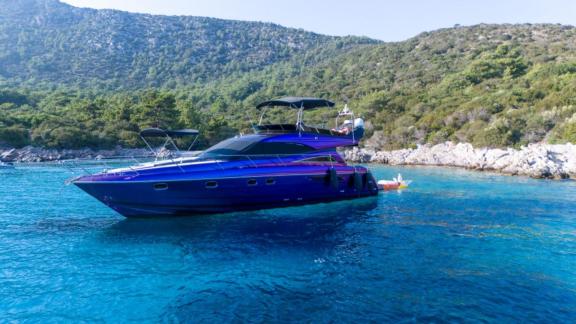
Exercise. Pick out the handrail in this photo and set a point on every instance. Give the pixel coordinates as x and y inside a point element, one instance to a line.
<point>254,163</point>
<point>278,159</point>
<point>270,154</point>
<point>251,160</point>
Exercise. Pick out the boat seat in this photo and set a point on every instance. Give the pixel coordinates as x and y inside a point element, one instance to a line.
<point>322,131</point>
<point>284,128</point>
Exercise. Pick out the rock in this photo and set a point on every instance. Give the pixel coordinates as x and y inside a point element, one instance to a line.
<point>30,154</point>
<point>8,156</point>
<point>534,160</point>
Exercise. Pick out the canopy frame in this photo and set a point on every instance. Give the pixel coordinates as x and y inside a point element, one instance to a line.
<point>299,103</point>
<point>168,136</point>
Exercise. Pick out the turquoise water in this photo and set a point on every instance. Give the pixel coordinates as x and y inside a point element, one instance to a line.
<point>457,246</point>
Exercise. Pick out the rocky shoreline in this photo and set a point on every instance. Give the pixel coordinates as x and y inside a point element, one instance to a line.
<point>31,154</point>
<point>535,160</point>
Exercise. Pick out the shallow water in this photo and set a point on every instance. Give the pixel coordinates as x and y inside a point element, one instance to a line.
<point>456,246</point>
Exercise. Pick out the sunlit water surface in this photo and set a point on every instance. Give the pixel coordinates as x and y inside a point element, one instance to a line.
<point>456,246</point>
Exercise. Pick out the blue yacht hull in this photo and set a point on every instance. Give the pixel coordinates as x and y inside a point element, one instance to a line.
<point>227,191</point>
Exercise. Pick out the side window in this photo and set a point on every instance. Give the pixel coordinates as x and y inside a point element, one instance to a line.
<point>318,159</point>
<point>277,148</point>
<point>252,182</point>
<point>211,184</point>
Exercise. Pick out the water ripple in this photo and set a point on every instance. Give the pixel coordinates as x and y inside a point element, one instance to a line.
<point>457,247</point>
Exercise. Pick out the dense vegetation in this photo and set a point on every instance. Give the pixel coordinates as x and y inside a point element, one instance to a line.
<point>46,42</point>
<point>98,83</point>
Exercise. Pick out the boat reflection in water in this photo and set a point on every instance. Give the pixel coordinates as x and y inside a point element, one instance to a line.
<point>279,165</point>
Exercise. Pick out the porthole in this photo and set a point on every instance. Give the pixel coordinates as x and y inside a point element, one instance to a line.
<point>160,186</point>
<point>252,182</point>
<point>211,184</point>
<point>270,182</point>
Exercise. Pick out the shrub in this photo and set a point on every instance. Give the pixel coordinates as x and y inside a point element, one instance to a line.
<point>15,136</point>
<point>569,133</point>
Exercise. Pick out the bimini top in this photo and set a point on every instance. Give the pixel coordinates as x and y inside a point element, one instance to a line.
<point>298,102</point>
<point>157,132</point>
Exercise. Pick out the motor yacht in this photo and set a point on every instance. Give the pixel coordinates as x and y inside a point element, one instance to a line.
<point>278,165</point>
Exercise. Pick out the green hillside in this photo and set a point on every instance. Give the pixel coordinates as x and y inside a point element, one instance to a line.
<point>49,42</point>
<point>98,82</point>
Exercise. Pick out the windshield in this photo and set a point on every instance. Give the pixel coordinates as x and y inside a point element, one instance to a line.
<point>231,146</point>
<point>253,145</point>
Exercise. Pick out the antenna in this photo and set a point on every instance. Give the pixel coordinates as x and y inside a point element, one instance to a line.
<point>249,119</point>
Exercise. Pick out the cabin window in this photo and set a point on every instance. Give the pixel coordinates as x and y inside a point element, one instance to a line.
<point>211,184</point>
<point>270,181</point>
<point>160,186</point>
<point>251,145</point>
<point>277,148</point>
<point>325,158</point>
<point>232,146</point>
<point>252,182</point>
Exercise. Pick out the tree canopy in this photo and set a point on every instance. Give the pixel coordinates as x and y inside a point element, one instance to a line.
<point>114,73</point>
